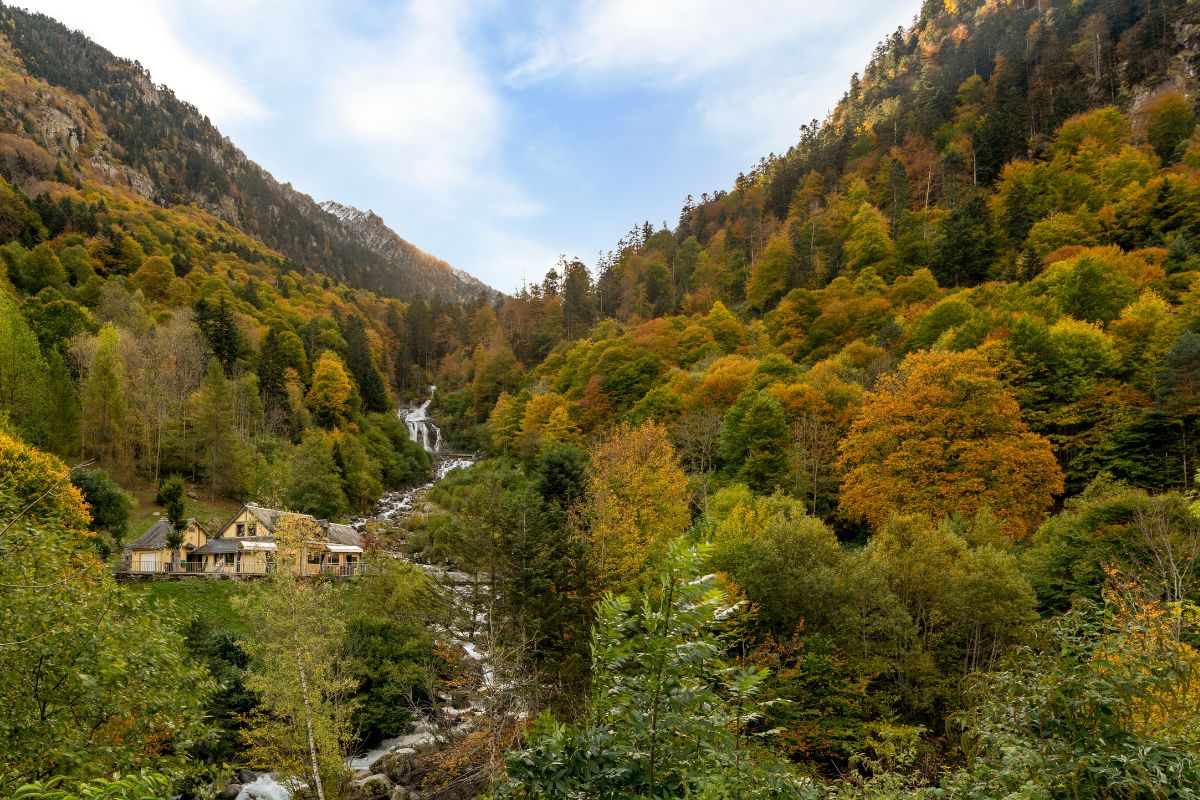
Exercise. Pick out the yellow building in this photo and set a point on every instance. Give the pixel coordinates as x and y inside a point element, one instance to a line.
<point>151,553</point>
<point>245,545</point>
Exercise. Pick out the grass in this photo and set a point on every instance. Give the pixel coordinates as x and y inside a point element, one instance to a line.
<point>211,599</point>
<point>212,514</point>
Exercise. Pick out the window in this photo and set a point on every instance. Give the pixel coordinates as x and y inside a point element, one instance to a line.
<point>229,558</point>
<point>314,557</point>
<point>241,529</point>
<point>333,559</point>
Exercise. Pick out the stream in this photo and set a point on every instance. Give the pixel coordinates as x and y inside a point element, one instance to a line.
<point>459,587</point>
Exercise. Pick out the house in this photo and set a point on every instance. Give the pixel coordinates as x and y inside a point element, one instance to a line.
<point>150,552</point>
<point>245,545</point>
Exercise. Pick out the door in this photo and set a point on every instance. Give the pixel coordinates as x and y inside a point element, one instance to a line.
<point>147,562</point>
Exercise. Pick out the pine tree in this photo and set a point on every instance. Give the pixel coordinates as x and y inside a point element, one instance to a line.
<point>211,413</point>
<point>105,405</point>
<point>24,394</point>
<point>225,341</point>
<point>964,253</point>
<point>361,363</point>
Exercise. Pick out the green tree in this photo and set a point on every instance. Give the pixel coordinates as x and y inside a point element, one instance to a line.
<point>1169,124</point>
<point>316,487</point>
<point>301,728</point>
<point>360,475</point>
<point>23,390</point>
<point>361,363</point>
<point>220,448</point>
<point>754,440</point>
<point>769,275</point>
<point>170,496</point>
<point>963,255</point>
<point>667,716</point>
<point>110,505</point>
<point>73,706</point>
<point>225,341</point>
<point>106,406</point>
<point>40,269</point>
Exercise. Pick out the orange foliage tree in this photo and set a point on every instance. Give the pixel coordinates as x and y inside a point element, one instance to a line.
<point>942,435</point>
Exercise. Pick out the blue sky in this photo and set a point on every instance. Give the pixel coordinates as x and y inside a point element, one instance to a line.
<point>497,134</point>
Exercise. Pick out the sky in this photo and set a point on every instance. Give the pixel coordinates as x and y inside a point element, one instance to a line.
<point>501,134</point>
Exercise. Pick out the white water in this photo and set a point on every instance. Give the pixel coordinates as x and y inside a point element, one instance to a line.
<point>421,428</point>
<point>265,787</point>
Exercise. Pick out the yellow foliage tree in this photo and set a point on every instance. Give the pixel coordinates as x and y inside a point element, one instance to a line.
<point>560,428</point>
<point>637,502</point>
<point>943,435</point>
<point>329,396</point>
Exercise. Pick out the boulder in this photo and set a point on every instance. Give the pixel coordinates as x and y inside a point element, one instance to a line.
<point>400,793</point>
<point>230,792</point>
<point>246,776</point>
<point>396,764</point>
<point>372,787</point>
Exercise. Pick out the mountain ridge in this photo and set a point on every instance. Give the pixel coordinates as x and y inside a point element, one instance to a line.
<point>168,152</point>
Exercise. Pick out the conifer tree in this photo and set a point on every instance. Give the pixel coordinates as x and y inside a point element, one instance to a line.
<point>361,363</point>
<point>225,341</point>
<point>211,412</point>
<point>23,390</point>
<point>106,405</point>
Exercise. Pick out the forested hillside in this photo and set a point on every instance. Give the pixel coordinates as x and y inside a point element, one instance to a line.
<point>875,477</point>
<point>140,134</point>
<point>159,339</point>
<point>930,379</point>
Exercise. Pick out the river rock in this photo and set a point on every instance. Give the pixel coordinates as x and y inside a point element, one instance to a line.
<point>372,787</point>
<point>246,776</point>
<point>230,792</point>
<point>396,765</point>
<point>400,793</point>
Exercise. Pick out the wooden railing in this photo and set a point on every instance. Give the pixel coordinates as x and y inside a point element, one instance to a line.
<point>342,570</point>
<point>220,568</point>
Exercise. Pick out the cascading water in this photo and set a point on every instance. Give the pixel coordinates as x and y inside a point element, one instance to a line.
<point>421,428</point>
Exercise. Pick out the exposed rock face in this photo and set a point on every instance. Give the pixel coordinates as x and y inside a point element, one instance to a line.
<point>69,103</point>
<point>369,230</point>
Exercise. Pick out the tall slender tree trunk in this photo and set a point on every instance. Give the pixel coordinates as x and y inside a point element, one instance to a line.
<point>312,742</point>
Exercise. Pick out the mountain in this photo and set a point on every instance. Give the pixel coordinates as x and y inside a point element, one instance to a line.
<point>418,267</point>
<point>104,118</point>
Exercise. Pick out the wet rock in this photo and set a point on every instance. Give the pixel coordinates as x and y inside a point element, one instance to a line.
<point>230,792</point>
<point>400,793</point>
<point>397,765</point>
<point>246,776</point>
<point>460,700</point>
<point>372,787</point>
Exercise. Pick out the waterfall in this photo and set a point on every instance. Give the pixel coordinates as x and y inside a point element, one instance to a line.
<point>421,428</point>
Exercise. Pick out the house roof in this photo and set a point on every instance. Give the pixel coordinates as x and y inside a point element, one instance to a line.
<point>155,537</point>
<point>229,544</point>
<point>269,517</point>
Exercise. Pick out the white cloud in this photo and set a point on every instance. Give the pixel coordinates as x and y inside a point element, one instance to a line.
<point>667,41</point>
<point>144,30</point>
<point>755,70</point>
<point>418,98</point>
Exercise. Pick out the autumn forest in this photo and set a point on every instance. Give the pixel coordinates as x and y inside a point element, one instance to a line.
<point>873,475</point>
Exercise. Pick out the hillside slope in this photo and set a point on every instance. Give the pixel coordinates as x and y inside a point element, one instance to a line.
<point>166,151</point>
